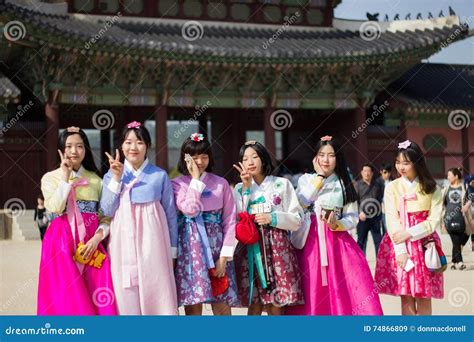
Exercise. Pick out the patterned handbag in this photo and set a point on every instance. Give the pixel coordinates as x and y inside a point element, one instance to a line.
<point>435,259</point>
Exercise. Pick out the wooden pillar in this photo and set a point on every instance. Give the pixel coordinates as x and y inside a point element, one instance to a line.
<point>161,137</point>
<point>269,131</point>
<point>465,149</point>
<point>361,141</point>
<point>105,147</point>
<point>52,131</point>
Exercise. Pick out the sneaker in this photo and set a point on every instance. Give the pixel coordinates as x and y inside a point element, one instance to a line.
<point>453,266</point>
<point>461,266</point>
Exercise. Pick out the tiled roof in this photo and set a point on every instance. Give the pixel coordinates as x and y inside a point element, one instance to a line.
<point>159,39</point>
<point>436,85</point>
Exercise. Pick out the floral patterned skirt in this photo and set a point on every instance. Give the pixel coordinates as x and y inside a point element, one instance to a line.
<point>192,275</point>
<point>419,282</point>
<point>285,287</point>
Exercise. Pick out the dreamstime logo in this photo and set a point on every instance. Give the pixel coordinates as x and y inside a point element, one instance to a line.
<point>103,119</point>
<point>370,30</point>
<point>280,297</point>
<point>199,110</point>
<point>193,206</point>
<point>371,207</point>
<point>14,30</point>
<point>192,30</point>
<point>377,110</point>
<point>458,297</point>
<point>459,119</point>
<point>103,296</point>
<point>109,22</point>
<point>14,207</point>
<point>281,119</point>
<point>288,21</point>
<point>20,112</point>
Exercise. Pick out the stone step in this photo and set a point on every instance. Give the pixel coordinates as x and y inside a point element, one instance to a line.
<point>27,226</point>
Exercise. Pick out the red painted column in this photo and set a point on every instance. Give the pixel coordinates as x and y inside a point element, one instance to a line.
<point>52,132</point>
<point>269,131</point>
<point>465,149</point>
<point>361,141</point>
<point>161,137</point>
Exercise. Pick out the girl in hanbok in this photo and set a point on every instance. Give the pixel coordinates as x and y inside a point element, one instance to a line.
<point>143,232</point>
<point>268,275</point>
<point>336,276</point>
<point>74,275</point>
<point>206,235</point>
<point>413,206</point>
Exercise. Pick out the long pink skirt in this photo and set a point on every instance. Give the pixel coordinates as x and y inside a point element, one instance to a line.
<point>62,289</point>
<point>419,282</point>
<point>350,289</point>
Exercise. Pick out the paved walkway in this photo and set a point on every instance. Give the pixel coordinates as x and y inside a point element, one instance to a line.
<point>19,263</point>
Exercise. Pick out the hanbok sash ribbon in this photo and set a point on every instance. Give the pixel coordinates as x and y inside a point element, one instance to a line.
<point>254,256</point>
<point>330,196</point>
<point>74,217</point>
<point>402,208</point>
<point>323,254</point>
<point>128,240</point>
<point>204,241</point>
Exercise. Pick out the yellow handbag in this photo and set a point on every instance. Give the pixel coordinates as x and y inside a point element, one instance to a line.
<point>95,260</point>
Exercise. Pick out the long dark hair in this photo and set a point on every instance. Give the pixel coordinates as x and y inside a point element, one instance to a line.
<point>349,193</point>
<point>262,152</point>
<point>88,162</point>
<point>414,154</point>
<point>194,148</point>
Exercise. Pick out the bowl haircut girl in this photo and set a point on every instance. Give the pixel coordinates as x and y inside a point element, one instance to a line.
<point>206,231</point>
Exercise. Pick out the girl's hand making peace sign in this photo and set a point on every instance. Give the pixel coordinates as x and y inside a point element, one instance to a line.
<point>66,166</point>
<point>244,176</point>
<point>115,165</point>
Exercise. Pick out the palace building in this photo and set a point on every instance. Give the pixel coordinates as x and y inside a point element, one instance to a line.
<point>283,72</point>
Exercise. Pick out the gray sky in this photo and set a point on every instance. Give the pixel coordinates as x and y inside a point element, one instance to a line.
<point>458,53</point>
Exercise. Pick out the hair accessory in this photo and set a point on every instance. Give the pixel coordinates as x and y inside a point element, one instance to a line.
<point>326,138</point>
<point>404,145</point>
<point>134,124</point>
<point>250,142</point>
<point>73,129</point>
<point>197,137</point>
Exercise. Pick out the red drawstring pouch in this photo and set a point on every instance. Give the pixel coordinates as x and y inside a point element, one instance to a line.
<point>246,231</point>
<point>219,285</point>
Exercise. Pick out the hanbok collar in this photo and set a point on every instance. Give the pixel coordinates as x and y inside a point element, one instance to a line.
<point>331,194</point>
<point>78,173</point>
<point>130,168</point>
<point>409,184</point>
<point>262,185</point>
<point>331,178</point>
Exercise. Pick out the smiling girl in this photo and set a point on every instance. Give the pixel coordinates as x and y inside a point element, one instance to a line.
<point>143,231</point>
<point>336,276</point>
<point>275,283</point>
<point>67,286</point>
<point>413,206</point>
<point>206,231</point>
